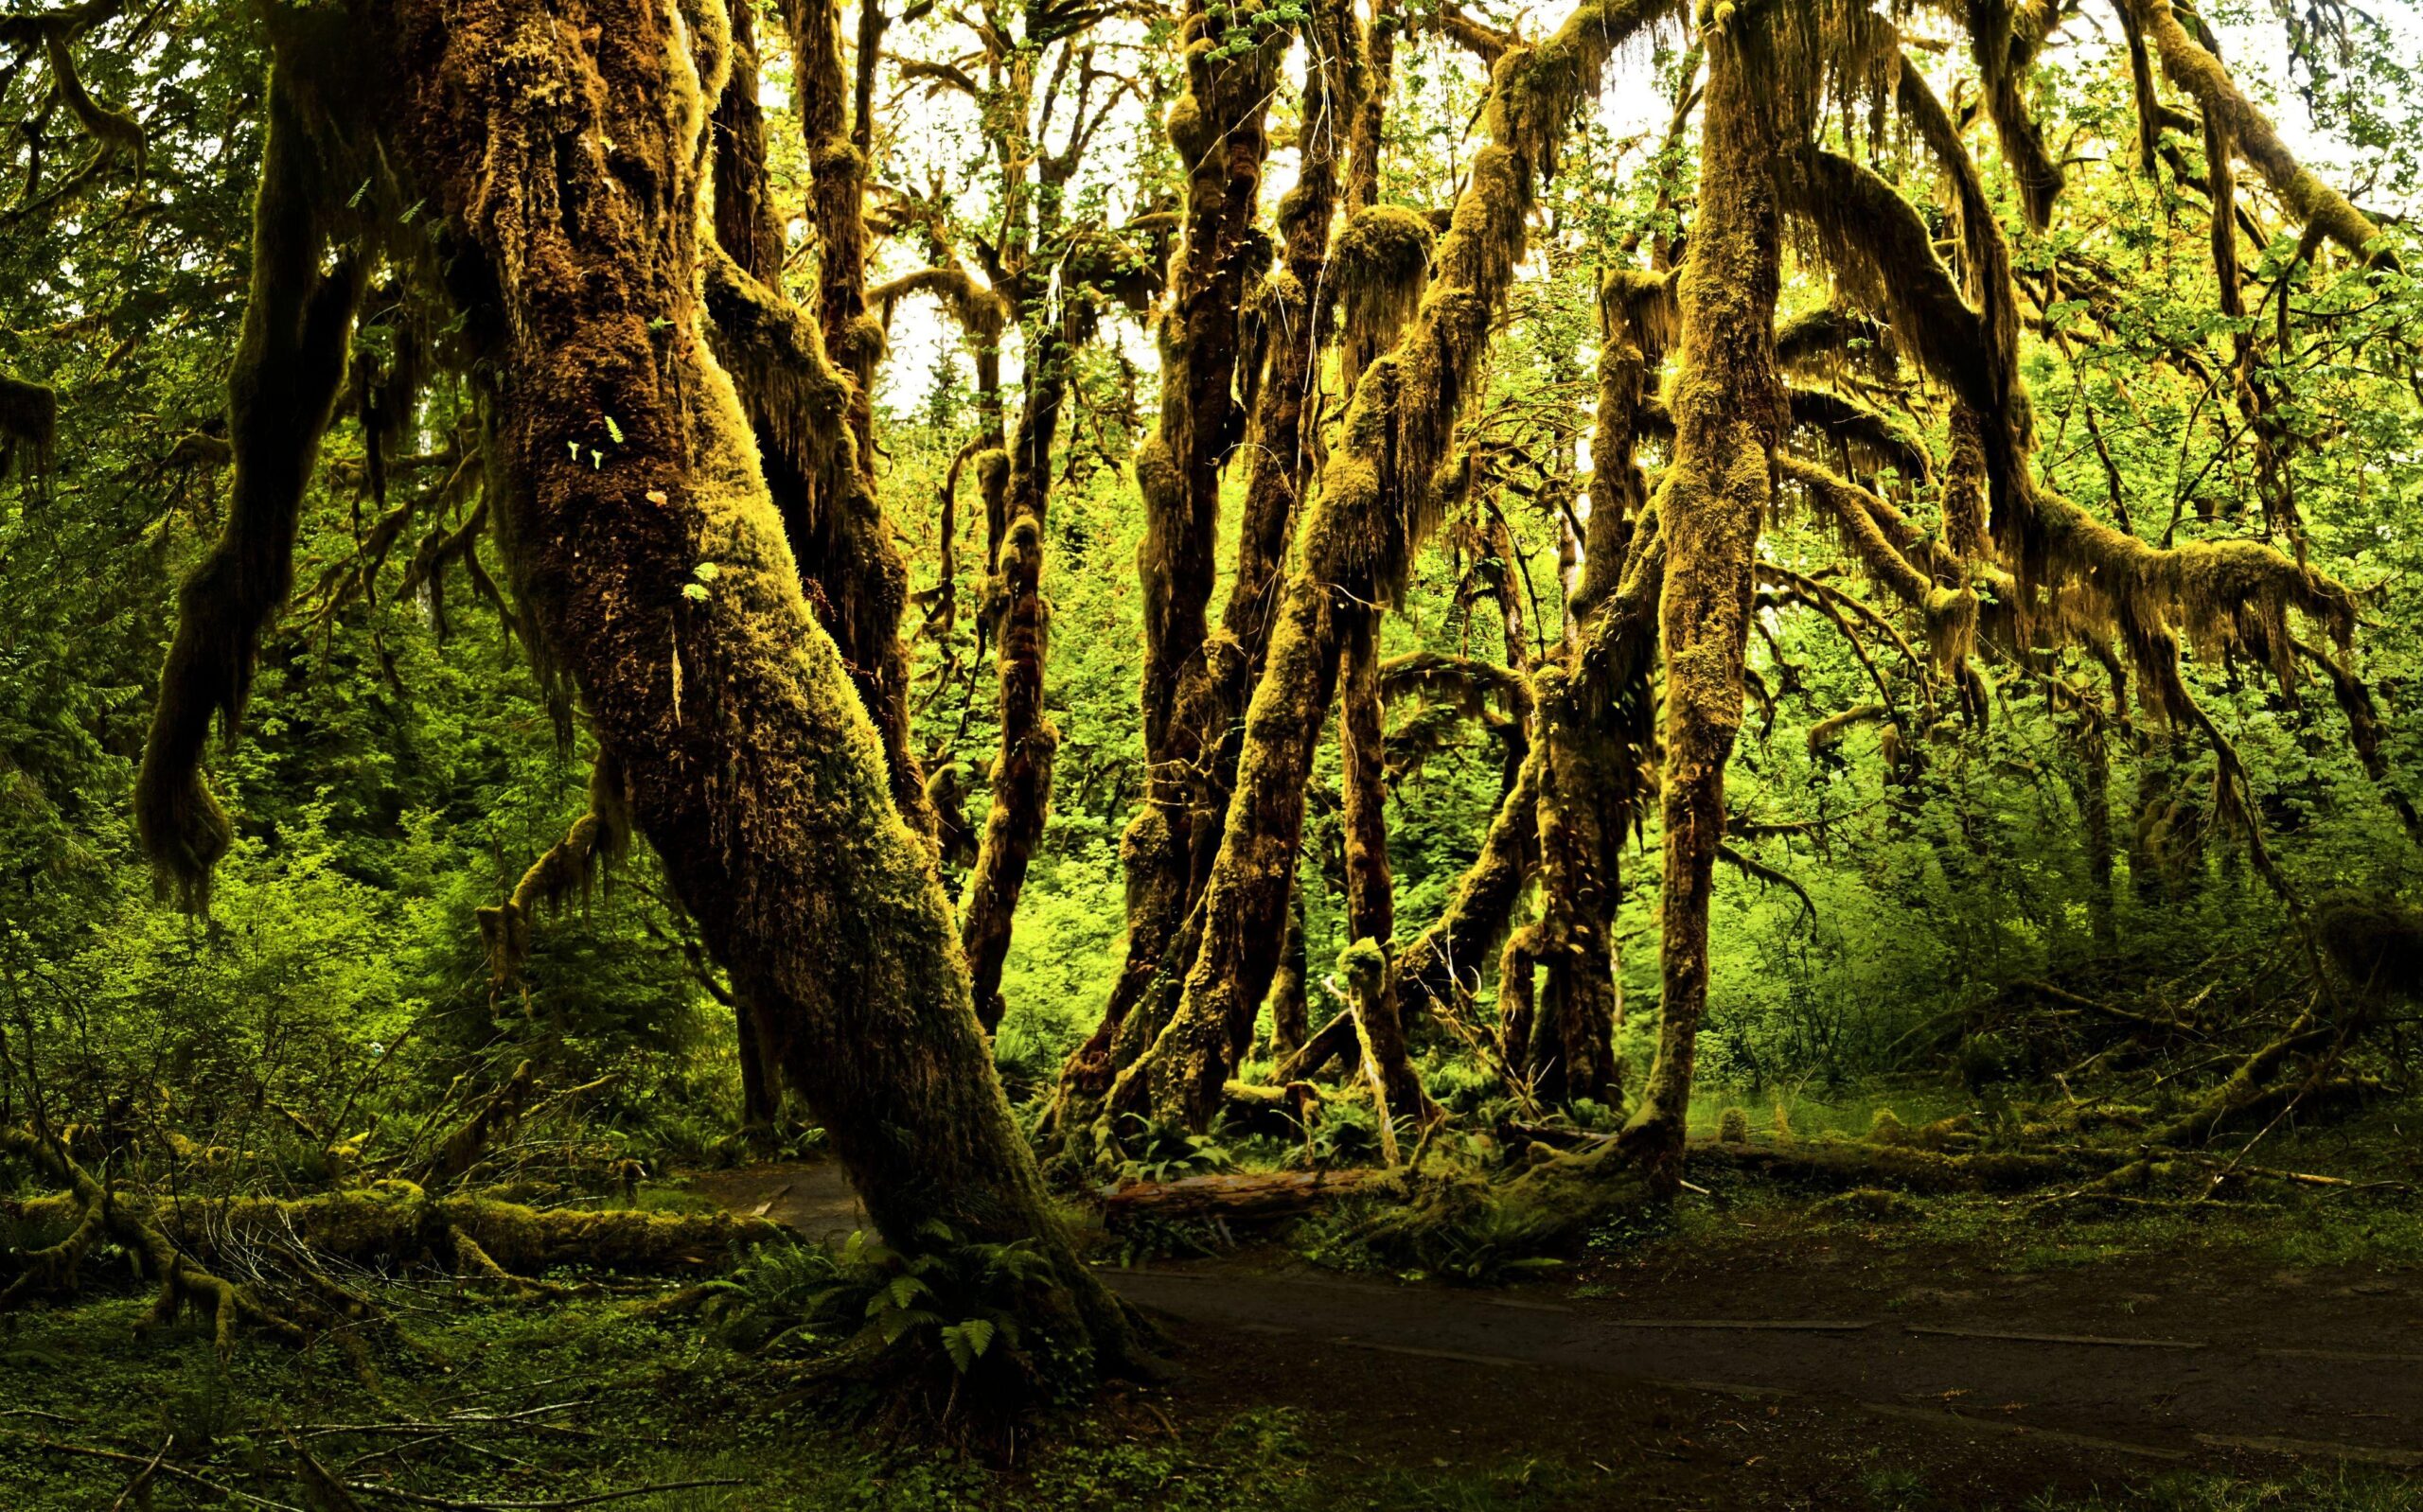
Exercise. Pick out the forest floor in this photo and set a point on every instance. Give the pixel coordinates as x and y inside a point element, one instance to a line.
<point>1970,1353</point>
<point>1753,1352</point>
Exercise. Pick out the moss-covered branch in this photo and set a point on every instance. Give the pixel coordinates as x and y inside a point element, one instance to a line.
<point>287,372</point>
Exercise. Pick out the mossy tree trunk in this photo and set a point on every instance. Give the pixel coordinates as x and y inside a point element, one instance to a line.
<point>1021,796</point>
<point>297,327</point>
<point>1371,888</point>
<point>1377,504</point>
<point>1594,731</point>
<point>1730,415</point>
<point>564,148</point>
<point>1285,326</point>
<point>1216,130</point>
<point>1567,1051</point>
<point>804,384</point>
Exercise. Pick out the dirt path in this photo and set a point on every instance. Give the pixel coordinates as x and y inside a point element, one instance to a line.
<point>2127,1362</point>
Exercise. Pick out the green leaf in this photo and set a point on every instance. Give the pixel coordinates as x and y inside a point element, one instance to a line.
<point>694,592</point>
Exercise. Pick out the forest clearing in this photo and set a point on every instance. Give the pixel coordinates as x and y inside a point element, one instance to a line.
<point>1169,753</point>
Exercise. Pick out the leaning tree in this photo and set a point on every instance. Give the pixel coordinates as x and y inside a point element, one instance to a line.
<point>537,178</point>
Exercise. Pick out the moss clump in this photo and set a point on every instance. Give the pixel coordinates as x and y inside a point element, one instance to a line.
<point>1380,266</point>
<point>1733,1126</point>
<point>1887,1128</point>
<point>1870,1205</point>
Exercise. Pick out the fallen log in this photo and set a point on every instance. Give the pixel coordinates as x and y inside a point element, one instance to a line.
<point>186,1241</point>
<point>1840,1165</point>
<point>1256,1196</point>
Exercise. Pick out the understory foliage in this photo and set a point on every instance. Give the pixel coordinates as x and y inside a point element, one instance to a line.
<point>1118,594</point>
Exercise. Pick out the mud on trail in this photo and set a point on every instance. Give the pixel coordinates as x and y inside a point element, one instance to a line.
<point>1795,1372</point>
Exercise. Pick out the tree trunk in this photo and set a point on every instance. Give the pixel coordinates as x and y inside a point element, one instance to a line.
<point>1022,633</point>
<point>1287,326</point>
<point>811,413</point>
<point>1571,1052</point>
<point>1376,507</point>
<point>1216,130</point>
<point>1371,892</point>
<point>1729,415</point>
<point>571,177</point>
<point>1289,1016</point>
<point>1370,111</point>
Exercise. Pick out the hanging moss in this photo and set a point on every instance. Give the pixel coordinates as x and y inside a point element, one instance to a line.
<point>567,871</point>
<point>1380,266</point>
<point>1832,340</point>
<point>115,133</point>
<point>287,373</point>
<point>2306,196</point>
<point>2004,38</point>
<point>29,425</point>
<point>1873,439</point>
